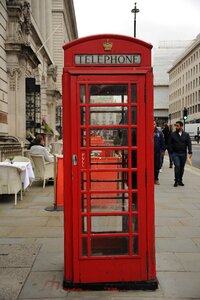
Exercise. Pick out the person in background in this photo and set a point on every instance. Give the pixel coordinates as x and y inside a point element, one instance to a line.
<point>179,144</point>
<point>166,132</point>
<point>39,149</point>
<point>159,150</point>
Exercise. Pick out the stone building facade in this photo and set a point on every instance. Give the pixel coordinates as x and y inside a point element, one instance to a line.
<point>32,34</point>
<point>163,59</point>
<point>184,84</point>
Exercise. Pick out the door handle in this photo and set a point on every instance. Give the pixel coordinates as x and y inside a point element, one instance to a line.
<point>74,160</point>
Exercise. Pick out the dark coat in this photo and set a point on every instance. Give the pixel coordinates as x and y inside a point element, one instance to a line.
<point>159,144</point>
<point>179,143</point>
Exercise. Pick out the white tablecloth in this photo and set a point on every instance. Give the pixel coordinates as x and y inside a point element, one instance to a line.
<point>27,175</point>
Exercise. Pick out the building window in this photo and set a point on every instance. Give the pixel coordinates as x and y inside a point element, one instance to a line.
<point>33,106</point>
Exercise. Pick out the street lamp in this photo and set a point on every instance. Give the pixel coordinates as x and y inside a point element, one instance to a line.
<point>135,10</point>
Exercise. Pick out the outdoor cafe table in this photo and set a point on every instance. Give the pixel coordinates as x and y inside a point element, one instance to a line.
<point>26,174</point>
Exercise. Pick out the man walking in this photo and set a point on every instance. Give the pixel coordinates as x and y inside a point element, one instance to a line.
<point>159,151</point>
<point>179,145</point>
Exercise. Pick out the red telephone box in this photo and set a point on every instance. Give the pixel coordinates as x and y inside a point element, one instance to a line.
<point>108,163</point>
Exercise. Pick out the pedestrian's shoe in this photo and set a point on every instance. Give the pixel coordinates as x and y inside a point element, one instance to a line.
<point>157,182</point>
<point>181,183</point>
<point>175,184</point>
<point>170,166</point>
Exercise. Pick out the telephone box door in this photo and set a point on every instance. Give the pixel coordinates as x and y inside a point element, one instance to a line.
<point>108,178</point>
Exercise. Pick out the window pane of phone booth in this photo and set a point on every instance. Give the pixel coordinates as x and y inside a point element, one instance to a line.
<point>134,180</point>
<point>106,93</point>
<point>134,202</point>
<point>134,137</point>
<point>113,158</point>
<point>107,159</point>
<point>109,202</point>
<point>83,202</point>
<point>134,159</point>
<point>133,92</point>
<point>109,224</point>
<point>135,223</point>
<point>133,115</point>
<point>83,137</point>
<point>135,245</point>
<point>107,137</point>
<point>107,180</point>
<point>83,115</point>
<point>84,224</point>
<point>82,93</point>
<point>104,115</point>
<point>83,181</point>
<point>109,246</point>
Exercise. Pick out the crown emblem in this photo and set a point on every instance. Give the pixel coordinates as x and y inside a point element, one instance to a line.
<point>107,45</point>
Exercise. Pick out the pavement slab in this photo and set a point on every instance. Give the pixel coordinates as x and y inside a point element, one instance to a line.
<point>44,284</point>
<point>179,245</point>
<point>18,255</point>
<point>180,284</point>
<point>11,282</point>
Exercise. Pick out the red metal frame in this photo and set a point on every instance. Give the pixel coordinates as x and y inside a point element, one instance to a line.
<point>83,269</point>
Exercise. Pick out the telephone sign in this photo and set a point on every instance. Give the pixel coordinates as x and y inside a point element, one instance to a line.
<point>113,59</point>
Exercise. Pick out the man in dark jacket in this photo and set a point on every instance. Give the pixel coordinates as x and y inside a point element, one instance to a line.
<point>159,150</point>
<point>179,145</point>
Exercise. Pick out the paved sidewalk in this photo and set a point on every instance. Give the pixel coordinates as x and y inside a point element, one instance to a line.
<point>31,245</point>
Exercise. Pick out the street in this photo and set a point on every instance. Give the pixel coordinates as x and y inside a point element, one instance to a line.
<point>196,155</point>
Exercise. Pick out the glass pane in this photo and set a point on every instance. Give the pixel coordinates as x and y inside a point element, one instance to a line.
<point>134,201</point>
<point>109,224</point>
<point>83,137</point>
<point>107,115</point>
<point>133,92</point>
<point>134,159</point>
<point>135,245</point>
<point>109,246</point>
<point>133,115</point>
<point>84,202</point>
<point>109,156</point>
<point>108,137</point>
<point>134,137</point>
<point>84,224</point>
<point>105,93</point>
<point>84,247</point>
<point>135,223</point>
<point>99,160</point>
<point>134,180</point>
<point>108,202</point>
<point>107,180</point>
<point>82,93</point>
<point>82,117</point>
<point>83,181</point>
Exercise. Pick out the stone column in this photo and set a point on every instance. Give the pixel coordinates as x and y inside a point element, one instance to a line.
<point>43,24</point>
<point>49,29</point>
<point>36,11</point>
<point>16,105</point>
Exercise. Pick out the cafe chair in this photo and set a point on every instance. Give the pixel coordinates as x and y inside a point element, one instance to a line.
<point>57,147</point>
<point>10,181</point>
<point>43,170</point>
